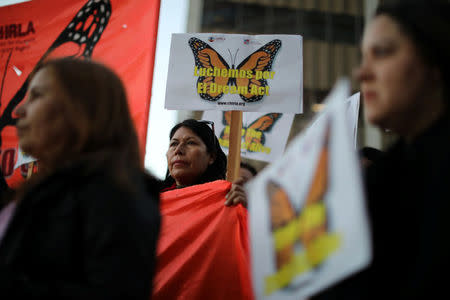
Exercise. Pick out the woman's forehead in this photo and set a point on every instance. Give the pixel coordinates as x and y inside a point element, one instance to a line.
<point>184,133</point>
<point>44,78</point>
<point>381,29</point>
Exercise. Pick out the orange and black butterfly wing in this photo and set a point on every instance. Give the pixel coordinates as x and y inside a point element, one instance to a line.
<point>260,60</point>
<point>316,193</point>
<point>262,124</point>
<point>78,39</point>
<point>206,57</point>
<point>85,29</point>
<point>281,214</point>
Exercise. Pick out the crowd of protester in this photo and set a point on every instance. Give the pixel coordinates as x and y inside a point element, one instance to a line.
<point>86,225</point>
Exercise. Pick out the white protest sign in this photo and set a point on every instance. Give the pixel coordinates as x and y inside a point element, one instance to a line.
<point>210,71</point>
<point>264,135</point>
<point>23,158</point>
<point>308,222</point>
<point>352,110</point>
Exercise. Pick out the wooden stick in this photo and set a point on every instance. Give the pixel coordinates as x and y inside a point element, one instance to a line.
<point>234,150</point>
<point>30,169</point>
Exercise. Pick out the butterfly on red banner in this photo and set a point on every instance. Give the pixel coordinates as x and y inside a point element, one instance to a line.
<point>78,40</point>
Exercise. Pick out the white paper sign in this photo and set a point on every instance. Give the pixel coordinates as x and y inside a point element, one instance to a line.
<point>353,115</point>
<point>308,222</point>
<point>264,135</point>
<point>352,111</point>
<point>210,71</point>
<point>23,158</point>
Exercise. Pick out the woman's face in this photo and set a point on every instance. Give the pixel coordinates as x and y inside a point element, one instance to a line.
<point>41,123</point>
<point>187,157</point>
<point>397,85</point>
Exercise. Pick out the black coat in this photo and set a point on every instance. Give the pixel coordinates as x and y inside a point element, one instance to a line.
<point>409,207</point>
<point>82,237</point>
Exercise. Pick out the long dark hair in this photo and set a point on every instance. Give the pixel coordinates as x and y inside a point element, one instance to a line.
<point>100,130</point>
<point>217,170</point>
<point>427,23</point>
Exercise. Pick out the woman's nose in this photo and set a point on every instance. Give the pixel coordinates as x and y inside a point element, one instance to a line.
<point>179,149</point>
<point>363,72</point>
<point>20,111</point>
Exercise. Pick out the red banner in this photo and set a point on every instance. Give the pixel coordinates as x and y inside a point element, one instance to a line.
<point>120,34</point>
<point>203,250</point>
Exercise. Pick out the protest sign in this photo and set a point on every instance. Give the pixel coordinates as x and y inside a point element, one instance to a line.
<point>235,72</point>
<point>308,222</point>
<point>23,158</point>
<point>264,135</point>
<point>352,110</point>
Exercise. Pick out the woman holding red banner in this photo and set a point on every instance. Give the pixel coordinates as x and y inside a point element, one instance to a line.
<point>86,225</point>
<point>405,82</point>
<point>203,250</point>
<point>195,157</point>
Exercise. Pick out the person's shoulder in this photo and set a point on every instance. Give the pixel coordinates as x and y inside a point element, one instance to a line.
<point>136,192</point>
<point>152,184</point>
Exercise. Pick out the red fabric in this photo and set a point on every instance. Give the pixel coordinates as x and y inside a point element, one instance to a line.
<point>203,251</point>
<point>38,30</point>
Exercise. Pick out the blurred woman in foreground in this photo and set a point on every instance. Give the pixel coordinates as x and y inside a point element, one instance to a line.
<point>86,225</point>
<point>405,81</point>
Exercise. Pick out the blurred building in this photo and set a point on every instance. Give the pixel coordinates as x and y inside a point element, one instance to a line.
<point>331,31</point>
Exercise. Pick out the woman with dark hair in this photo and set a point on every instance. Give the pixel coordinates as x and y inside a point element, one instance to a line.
<point>203,248</point>
<point>405,83</point>
<point>86,225</point>
<point>195,157</point>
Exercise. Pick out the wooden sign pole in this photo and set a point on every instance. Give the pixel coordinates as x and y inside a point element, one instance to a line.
<point>234,149</point>
<point>30,169</point>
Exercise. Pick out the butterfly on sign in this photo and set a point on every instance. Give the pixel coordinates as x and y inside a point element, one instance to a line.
<point>253,134</point>
<point>302,238</point>
<point>245,78</point>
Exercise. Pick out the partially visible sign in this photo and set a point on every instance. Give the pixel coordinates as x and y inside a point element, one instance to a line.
<point>235,72</point>
<point>264,135</point>
<point>23,158</point>
<point>307,216</point>
<point>352,112</point>
<point>353,115</point>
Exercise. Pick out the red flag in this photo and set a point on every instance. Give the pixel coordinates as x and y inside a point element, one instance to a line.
<point>120,34</point>
<point>203,250</point>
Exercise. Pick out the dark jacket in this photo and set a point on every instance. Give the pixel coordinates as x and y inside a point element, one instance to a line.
<point>409,207</point>
<point>79,236</point>
<point>4,191</point>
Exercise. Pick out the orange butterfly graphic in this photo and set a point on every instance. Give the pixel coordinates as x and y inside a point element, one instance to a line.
<point>253,134</point>
<point>259,61</point>
<point>302,228</point>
